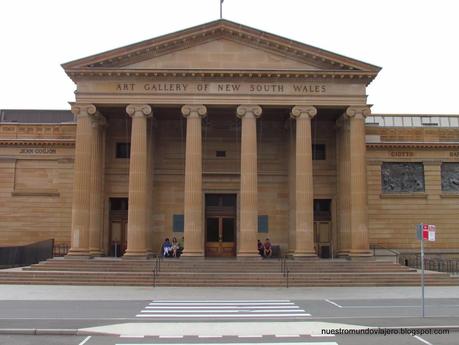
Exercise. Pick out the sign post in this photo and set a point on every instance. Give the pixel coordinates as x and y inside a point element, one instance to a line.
<point>424,232</point>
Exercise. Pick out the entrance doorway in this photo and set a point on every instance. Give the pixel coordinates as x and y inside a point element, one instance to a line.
<point>220,222</point>
<point>118,226</point>
<point>323,227</point>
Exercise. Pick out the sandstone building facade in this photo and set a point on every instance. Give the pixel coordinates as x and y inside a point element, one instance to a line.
<point>224,134</point>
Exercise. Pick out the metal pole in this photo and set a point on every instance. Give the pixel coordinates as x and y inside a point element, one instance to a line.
<point>221,10</point>
<point>422,275</point>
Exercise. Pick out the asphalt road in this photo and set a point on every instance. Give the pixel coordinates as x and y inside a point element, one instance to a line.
<point>339,340</point>
<point>210,321</point>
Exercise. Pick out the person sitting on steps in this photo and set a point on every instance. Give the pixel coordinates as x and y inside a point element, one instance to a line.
<point>267,249</point>
<point>260,248</point>
<point>175,248</point>
<point>167,248</point>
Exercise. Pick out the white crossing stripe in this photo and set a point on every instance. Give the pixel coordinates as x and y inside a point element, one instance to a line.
<point>85,340</point>
<point>422,340</point>
<point>276,343</point>
<point>171,336</point>
<point>222,300</point>
<point>223,303</point>
<point>153,306</point>
<point>223,309</point>
<point>226,311</point>
<point>131,336</point>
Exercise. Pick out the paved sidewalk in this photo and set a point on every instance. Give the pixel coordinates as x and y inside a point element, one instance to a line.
<point>100,293</point>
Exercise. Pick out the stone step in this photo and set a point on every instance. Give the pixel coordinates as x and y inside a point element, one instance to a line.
<point>214,269</point>
<point>259,273</point>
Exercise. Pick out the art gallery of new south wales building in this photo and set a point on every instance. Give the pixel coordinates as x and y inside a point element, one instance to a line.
<point>222,134</point>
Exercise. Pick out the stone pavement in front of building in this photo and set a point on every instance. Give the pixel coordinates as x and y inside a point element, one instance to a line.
<point>98,293</point>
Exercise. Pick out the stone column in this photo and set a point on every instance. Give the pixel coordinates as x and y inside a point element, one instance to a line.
<point>82,179</point>
<point>358,181</point>
<point>343,180</point>
<point>193,225</point>
<point>291,188</point>
<point>97,188</point>
<point>249,183</point>
<point>139,174</point>
<point>304,195</point>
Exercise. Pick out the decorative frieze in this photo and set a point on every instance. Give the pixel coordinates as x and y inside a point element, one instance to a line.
<point>450,177</point>
<point>402,177</point>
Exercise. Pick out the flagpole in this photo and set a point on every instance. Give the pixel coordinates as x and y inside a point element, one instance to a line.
<point>221,9</point>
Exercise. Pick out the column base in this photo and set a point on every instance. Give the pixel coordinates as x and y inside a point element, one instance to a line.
<point>305,254</point>
<point>342,253</point>
<point>96,253</point>
<point>248,254</point>
<point>78,254</point>
<point>137,254</point>
<point>360,253</point>
<point>192,254</point>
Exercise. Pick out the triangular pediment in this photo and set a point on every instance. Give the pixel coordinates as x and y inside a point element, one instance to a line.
<point>220,46</point>
<point>222,53</point>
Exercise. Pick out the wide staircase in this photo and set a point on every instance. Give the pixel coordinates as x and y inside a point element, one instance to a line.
<point>221,272</point>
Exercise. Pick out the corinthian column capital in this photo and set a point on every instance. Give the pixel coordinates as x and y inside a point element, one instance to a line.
<point>139,110</point>
<point>359,112</point>
<point>194,110</point>
<point>83,109</point>
<point>303,111</point>
<point>250,110</point>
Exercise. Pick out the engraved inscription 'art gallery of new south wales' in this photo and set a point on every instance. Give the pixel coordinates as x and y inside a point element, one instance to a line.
<point>223,134</point>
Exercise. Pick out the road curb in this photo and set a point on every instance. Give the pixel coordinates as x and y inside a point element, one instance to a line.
<point>52,331</point>
<point>39,331</point>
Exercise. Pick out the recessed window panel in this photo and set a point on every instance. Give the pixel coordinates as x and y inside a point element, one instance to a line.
<point>123,150</point>
<point>263,224</point>
<point>212,230</point>
<point>318,152</point>
<point>178,222</point>
<point>228,230</point>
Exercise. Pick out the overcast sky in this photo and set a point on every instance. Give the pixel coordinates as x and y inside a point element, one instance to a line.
<point>416,42</point>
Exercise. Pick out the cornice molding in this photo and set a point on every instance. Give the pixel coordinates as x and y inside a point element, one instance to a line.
<point>418,145</point>
<point>261,75</point>
<point>38,142</point>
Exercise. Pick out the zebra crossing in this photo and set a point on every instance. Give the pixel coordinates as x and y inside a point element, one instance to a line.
<point>222,309</point>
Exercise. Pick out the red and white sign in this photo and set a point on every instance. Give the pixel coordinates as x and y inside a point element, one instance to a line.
<point>431,233</point>
<point>425,232</point>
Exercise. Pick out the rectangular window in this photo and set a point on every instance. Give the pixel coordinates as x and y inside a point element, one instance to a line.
<point>123,150</point>
<point>450,177</point>
<point>177,223</point>
<point>402,177</point>
<point>220,153</point>
<point>263,224</point>
<point>318,152</point>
